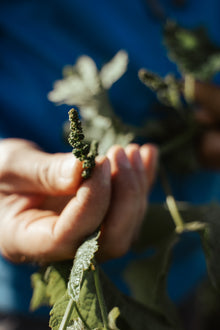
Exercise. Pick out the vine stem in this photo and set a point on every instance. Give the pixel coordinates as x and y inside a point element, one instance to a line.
<point>71,305</point>
<point>66,317</point>
<point>171,202</point>
<point>100,295</point>
<point>81,317</point>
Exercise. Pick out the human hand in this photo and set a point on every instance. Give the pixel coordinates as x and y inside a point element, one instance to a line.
<point>46,210</point>
<point>207,96</point>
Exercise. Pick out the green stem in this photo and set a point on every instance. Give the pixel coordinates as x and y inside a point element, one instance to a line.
<point>66,317</point>
<point>178,220</point>
<point>100,295</point>
<point>82,318</point>
<point>171,202</point>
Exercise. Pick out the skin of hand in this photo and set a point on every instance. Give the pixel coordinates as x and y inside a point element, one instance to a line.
<point>207,97</point>
<point>47,209</point>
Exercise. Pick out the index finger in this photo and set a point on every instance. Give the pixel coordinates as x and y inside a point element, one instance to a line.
<point>208,97</point>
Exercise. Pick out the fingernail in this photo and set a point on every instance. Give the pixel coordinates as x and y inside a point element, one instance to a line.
<point>67,166</point>
<point>150,152</point>
<point>106,171</point>
<point>138,161</point>
<point>122,159</point>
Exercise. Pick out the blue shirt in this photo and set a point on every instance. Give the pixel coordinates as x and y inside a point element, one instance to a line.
<point>38,38</point>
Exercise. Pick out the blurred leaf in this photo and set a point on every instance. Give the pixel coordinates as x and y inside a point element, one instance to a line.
<point>192,50</point>
<point>158,224</point>
<point>50,283</point>
<point>112,317</point>
<point>168,89</point>
<point>39,297</point>
<point>133,315</point>
<point>114,69</point>
<point>147,277</point>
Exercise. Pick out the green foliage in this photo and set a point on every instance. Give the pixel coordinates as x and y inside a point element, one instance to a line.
<point>168,89</point>
<point>84,151</point>
<point>39,297</point>
<point>81,295</point>
<point>176,130</point>
<point>86,87</point>
<point>196,57</point>
<point>82,262</point>
<point>50,283</point>
<point>133,315</point>
<point>192,50</point>
<point>147,280</point>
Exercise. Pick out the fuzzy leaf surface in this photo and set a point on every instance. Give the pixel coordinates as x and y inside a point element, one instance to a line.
<point>82,262</point>
<point>87,305</point>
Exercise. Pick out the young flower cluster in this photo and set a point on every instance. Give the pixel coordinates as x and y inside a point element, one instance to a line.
<point>85,152</point>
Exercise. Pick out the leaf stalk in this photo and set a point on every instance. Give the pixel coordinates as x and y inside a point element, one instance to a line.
<point>67,315</point>
<point>100,296</point>
<point>171,203</point>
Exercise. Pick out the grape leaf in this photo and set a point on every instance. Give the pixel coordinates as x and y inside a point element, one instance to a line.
<point>39,296</point>
<point>168,89</point>
<point>133,315</point>
<point>58,311</point>
<point>146,277</point>
<point>87,306</point>
<point>82,262</point>
<point>192,50</point>
<point>207,214</point>
<point>50,283</point>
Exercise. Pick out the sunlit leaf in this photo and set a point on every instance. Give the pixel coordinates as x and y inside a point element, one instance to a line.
<point>50,283</point>
<point>112,318</point>
<point>39,296</point>
<point>114,69</point>
<point>82,262</point>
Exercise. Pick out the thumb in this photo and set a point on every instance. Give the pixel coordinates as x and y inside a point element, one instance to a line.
<point>25,168</point>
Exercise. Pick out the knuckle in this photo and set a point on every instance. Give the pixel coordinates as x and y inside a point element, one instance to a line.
<point>132,147</point>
